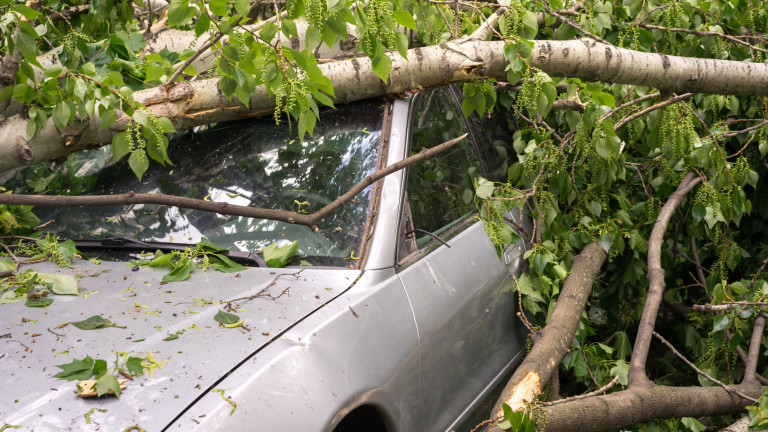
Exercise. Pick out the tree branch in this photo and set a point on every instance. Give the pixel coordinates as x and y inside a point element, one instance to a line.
<point>310,220</point>
<point>545,356</point>
<point>670,101</point>
<point>574,25</point>
<point>701,372</point>
<point>630,103</point>
<point>750,367</point>
<point>704,34</point>
<point>637,376</point>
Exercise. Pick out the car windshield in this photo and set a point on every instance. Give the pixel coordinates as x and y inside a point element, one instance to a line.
<point>252,162</point>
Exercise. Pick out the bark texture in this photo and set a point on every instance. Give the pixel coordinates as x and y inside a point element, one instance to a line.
<point>656,285</point>
<point>639,405</point>
<point>555,339</point>
<point>200,102</point>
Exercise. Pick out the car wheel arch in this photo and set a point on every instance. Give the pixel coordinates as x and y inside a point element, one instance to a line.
<point>368,417</point>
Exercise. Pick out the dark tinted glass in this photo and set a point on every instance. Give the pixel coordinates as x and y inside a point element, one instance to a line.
<point>440,189</point>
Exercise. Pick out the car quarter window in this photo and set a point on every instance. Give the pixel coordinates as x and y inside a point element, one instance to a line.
<point>439,191</point>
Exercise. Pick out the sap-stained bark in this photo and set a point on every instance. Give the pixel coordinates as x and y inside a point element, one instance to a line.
<point>640,405</point>
<point>202,102</point>
<point>555,339</point>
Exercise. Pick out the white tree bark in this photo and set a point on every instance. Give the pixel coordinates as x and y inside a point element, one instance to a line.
<point>200,102</point>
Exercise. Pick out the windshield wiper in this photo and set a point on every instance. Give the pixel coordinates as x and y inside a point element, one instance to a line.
<point>247,258</point>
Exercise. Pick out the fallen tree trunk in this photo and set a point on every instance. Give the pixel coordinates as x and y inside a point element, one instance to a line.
<point>190,104</point>
<point>640,405</point>
<point>553,342</point>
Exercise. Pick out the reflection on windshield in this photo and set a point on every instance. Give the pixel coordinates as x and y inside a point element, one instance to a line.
<point>252,162</point>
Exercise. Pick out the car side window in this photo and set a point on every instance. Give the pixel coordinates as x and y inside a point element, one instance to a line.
<point>439,190</point>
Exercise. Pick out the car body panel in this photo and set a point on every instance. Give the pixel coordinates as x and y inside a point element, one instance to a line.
<point>202,354</point>
<point>465,311</point>
<point>338,358</point>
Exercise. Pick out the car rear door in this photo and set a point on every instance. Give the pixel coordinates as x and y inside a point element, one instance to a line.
<point>461,293</point>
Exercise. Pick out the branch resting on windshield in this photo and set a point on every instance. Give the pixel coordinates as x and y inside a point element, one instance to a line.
<point>310,220</point>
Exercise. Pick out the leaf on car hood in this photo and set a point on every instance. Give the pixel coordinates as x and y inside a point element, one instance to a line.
<point>94,322</point>
<point>12,297</point>
<point>60,284</point>
<point>39,302</point>
<point>76,369</point>
<point>280,256</point>
<point>226,318</point>
<point>107,384</point>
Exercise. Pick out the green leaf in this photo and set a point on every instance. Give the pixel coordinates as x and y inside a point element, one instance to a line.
<point>485,188</point>
<point>180,272</point>
<point>268,31</point>
<point>540,262</point>
<point>595,208</point>
<point>139,163</point>
<point>120,145</point>
<point>107,383</point>
<point>26,43</point>
<point>99,368</point>
<point>60,283</point>
<point>39,302</point>
<point>405,19</point>
<point>621,369</point>
<point>382,65</point>
<point>279,256</point>
<point>243,7</point>
<point>219,7</point>
<point>202,24</point>
<point>134,367</point>
<point>179,12</point>
<point>225,264</point>
<point>161,259</point>
<point>605,241</point>
<point>53,71</point>
<point>24,216</point>
<point>692,424</point>
<point>12,297</point>
<point>171,337</point>
<point>140,117</point>
<point>76,370</point>
<point>226,318</point>
<point>93,323</point>
<point>720,323</point>
<point>61,113</point>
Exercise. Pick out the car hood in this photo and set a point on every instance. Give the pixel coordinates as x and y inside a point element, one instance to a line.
<point>33,340</point>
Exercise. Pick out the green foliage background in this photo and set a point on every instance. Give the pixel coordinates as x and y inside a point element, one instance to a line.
<point>582,176</point>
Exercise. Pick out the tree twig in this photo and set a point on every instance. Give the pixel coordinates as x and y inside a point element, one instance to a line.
<point>574,25</point>
<point>670,101</point>
<point>264,292</point>
<point>601,390</point>
<point>701,372</point>
<point>704,34</point>
<point>627,104</point>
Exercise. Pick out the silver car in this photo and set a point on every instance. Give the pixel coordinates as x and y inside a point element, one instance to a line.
<point>397,314</point>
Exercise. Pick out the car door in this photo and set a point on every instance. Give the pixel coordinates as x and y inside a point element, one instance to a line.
<point>460,291</point>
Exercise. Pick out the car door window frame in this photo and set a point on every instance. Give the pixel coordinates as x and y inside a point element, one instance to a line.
<point>408,249</point>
